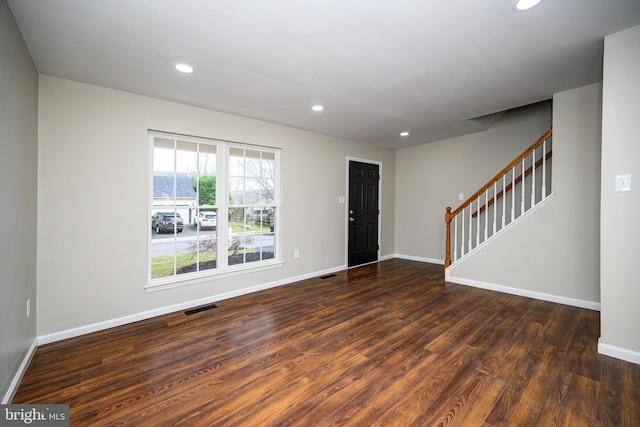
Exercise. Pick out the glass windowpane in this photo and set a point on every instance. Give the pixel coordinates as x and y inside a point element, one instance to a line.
<point>236,162</point>
<point>236,190</point>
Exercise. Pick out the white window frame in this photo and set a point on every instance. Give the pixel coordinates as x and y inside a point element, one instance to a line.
<point>222,205</point>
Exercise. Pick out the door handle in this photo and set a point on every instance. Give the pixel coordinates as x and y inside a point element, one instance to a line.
<point>351,219</point>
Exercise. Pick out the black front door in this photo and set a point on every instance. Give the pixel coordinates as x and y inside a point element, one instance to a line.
<point>364,180</point>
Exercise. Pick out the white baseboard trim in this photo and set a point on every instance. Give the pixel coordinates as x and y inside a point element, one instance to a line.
<point>591,305</point>
<point>618,352</point>
<point>419,259</point>
<point>17,376</point>
<point>99,326</point>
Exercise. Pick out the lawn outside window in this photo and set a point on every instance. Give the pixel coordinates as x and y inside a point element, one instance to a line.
<point>212,208</point>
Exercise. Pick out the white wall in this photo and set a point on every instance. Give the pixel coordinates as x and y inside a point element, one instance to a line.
<point>93,152</point>
<point>18,172</point>
<point>430,176</point>
<point>620,227</point>
<point>555,251</point>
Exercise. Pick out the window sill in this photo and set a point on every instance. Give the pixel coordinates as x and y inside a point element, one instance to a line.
<point>176,281</point>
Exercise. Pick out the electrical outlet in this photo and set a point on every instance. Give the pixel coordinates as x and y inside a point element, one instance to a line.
<point>296,253</point>
<point>28,308</point>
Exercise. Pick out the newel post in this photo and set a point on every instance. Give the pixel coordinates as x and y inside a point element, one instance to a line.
<point>447,219</point>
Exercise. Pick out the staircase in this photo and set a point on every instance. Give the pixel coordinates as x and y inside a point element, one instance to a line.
<point>515,190</point>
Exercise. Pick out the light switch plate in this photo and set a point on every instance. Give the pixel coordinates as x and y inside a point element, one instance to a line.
<point>623,183</point>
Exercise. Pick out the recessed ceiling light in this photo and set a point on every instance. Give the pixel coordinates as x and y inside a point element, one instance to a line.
<point>317,108</point>
<point>405,133</point>
<point>522,5</point>
<point>183,68</point>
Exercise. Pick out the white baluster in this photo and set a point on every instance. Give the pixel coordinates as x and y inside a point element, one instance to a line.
<point>495,205</point>
<point>513,194</point>
<point>462,239</point>
<point>523,190</point>
<point>544,169</point>
<point>504,199</point>
<point>470,225</point>
<point>486,214</point>
<point>478,223</point>
<point>455,239</point>
<point>533,178</point>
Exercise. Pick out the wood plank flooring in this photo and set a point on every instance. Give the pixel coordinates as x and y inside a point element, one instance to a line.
<point>386,344</point>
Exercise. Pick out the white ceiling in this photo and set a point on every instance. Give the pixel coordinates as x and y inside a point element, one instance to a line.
<point>378,66</point>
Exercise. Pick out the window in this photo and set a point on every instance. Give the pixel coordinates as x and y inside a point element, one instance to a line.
<point>213,208</point>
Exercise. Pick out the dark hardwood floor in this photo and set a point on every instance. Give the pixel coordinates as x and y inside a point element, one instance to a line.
<point>381,345</point>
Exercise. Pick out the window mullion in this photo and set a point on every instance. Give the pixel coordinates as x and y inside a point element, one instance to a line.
<point>222,184</point>
<point>197,207</point>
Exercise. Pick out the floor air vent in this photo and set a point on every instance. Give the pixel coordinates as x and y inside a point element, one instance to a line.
<point>328,276</point>
<point>200,309</point>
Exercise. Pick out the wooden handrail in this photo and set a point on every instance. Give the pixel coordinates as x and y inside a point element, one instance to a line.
<point>509,185</point>
<point>449,215</point>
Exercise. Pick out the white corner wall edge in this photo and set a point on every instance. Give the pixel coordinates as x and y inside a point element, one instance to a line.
<point>618,352</point>
<point>17,377</point>
<point>94,327</point>
<point>591,305</point>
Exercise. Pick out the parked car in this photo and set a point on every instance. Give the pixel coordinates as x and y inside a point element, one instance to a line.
<point>167,221</point>
<point>272,226</point>
<point>207,220</point>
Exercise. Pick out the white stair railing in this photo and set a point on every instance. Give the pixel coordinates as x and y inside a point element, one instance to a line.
<point>525,178</point>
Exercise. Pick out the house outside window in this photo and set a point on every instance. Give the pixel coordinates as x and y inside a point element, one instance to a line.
<point>212,210</point>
